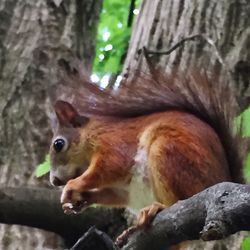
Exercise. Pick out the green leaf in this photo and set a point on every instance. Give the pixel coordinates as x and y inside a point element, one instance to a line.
<point>43,168</point>
<point>247,168</point>
<point>246,244</point>
<point>112,65</point>
<point>112,30</point>
<point>243,121</point>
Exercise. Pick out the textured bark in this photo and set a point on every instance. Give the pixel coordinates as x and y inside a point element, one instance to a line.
<point>34,36</point>
<point>225,24</point>
<point>40,208</point>
<point>212,214</point>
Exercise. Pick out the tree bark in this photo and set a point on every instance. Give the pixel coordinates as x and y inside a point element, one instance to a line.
<point>41,208</point>
<point>226,49</point>
<point>34,36</point>
<point>214,213</point>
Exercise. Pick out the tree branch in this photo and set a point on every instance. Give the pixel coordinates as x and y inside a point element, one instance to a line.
<point>95,239</point>
<point>213,214</point>
<point>41,208</point>
<point>196,37</point>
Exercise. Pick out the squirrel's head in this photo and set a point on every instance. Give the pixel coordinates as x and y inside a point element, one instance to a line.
<point>67,150</point>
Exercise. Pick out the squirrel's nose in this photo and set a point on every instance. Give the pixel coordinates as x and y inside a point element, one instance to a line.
<point>57,182</point>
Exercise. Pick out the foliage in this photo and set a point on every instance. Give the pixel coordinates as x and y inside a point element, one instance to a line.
<point>113,37</point>
<point>246,244</point>
<point>242,123</point>
<point>247,168</point>
<point>43,168</point>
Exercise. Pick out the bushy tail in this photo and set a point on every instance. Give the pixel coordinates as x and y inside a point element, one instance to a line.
<point>193,92</point>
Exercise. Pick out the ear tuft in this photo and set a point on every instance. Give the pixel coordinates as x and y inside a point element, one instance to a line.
<point>67,115</point>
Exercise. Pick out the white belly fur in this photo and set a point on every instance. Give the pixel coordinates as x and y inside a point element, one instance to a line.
<point>140,191</point>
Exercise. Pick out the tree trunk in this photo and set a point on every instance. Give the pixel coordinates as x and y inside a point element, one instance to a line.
<point>34,36</point>
<point>223,46</point>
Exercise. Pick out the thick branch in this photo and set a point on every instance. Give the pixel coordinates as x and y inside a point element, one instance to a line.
<point>41,208</point>
<point>213,214</point>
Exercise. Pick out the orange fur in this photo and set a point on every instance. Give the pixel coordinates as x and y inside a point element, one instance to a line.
<point>181,150</point>
<point>172,151</point>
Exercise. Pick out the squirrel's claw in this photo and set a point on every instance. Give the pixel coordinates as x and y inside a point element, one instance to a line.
<point>146,215</point>
<point>69,208</point>
<point>72,200</point>
<point>122,239</point>
<point>69,195</point>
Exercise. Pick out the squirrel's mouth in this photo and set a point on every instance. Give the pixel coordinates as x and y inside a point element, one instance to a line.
<point>58,178</point>
<point>55,181</point>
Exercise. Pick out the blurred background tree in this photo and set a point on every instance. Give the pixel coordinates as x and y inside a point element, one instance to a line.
<point>34,36</point>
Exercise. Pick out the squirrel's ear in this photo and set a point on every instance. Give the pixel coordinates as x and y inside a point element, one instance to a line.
<point>67,115</point>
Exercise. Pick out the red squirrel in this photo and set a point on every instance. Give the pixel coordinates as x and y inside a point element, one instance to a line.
<point>159,139</point>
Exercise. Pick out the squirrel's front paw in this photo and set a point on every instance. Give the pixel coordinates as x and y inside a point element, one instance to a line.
<point>73,201</point>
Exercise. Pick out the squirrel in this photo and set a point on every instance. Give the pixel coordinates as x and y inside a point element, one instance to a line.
<point>147,144</point>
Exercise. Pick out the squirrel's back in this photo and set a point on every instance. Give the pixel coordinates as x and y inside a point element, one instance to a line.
<point>183,155</point>
<point>194,93</point>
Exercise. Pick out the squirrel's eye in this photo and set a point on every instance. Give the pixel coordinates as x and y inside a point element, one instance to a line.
<point>59,144</point>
